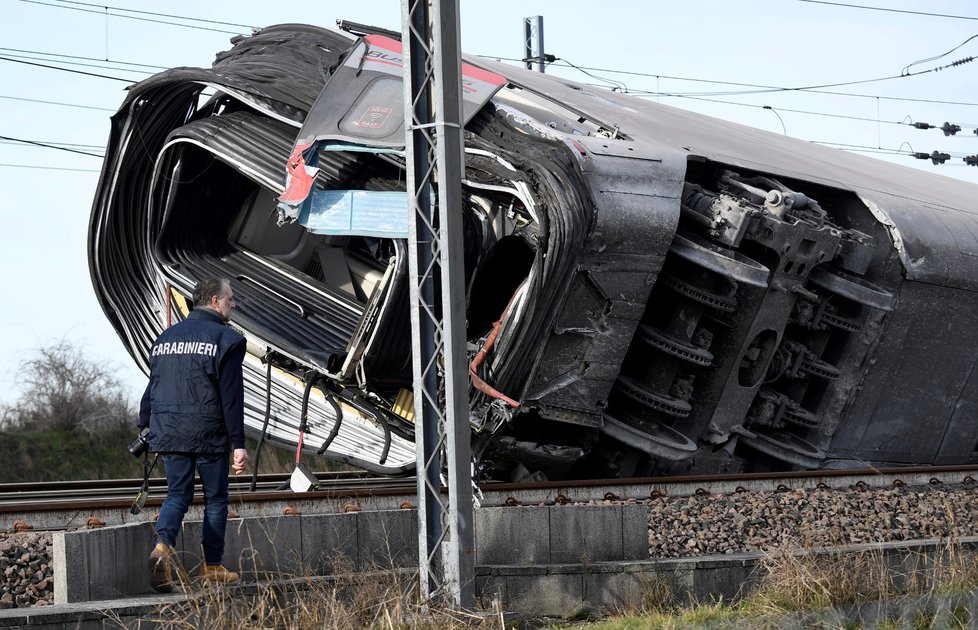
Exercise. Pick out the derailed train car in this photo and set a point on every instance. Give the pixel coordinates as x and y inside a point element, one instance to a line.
<point>655,291</point>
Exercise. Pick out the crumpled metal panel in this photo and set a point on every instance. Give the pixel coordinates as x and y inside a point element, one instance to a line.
<point>636,196</point>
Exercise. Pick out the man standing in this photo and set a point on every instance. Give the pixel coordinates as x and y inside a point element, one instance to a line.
<point>194,408</point>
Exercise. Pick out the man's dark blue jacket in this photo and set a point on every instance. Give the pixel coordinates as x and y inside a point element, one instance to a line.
<point>194,402</point>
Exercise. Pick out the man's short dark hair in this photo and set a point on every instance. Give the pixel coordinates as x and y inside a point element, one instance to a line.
<point>207,288</point>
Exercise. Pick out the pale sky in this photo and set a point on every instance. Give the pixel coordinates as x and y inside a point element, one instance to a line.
<point>48,193</point>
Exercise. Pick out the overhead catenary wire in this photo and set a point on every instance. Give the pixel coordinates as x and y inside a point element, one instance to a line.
<point>103,10</point>
<point>97,8</point>
<point>645,94</point>
<point>169,15</point>
<point>50,146</point>
<point>936,57</point>
<point>90,74</point>
<point>58,103</point>
<point>77,63</point>
<point>900,151</point>
<point>618,85</point>
<point>59,144</point>
<point>807,88</point>
<point>584,69</point>
<point>52,168</point>
<point>773,88</point>
<point>891,10</point>
<point>62,55</point>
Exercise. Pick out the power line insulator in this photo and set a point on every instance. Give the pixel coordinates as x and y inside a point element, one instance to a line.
<point>950,129</point>
<point>935,157</point>
<point>971,160</point>
<point>923,125</point>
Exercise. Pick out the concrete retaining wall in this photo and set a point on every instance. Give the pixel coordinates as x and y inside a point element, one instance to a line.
<point>552,560</point>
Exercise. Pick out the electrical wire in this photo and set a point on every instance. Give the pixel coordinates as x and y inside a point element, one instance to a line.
<point>50,146</point>
<point>78,63</point>
<point>889,10</point>
<point>908,66</point>
<point>584,69</point>
<point>618,85</point>
<point>169,15</point>
<point>60,144</point>
<point>644,94</point>
<point>132,17</point>
<point>59,103</point>
<point>52,168</point>
<point>808,88</point>
<point>48,54</point>
<point>89,74</point>
<point>878,149</point>
<point>771,88</point>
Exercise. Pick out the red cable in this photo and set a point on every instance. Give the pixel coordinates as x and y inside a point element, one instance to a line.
<point>480,356</point>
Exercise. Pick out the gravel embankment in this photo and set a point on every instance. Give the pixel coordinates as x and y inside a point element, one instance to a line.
<point>678,527</point>
<point>28,574</point>
<point>745,522</point>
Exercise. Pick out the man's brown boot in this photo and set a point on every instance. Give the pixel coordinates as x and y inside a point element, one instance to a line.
<point>161,571</point>
<point>217,574</point>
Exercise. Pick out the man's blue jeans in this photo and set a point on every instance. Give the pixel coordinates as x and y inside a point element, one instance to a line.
<point>213,469</point>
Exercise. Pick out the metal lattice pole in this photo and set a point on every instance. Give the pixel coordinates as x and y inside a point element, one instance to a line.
<point>433,113</point>
<point>533,42</point>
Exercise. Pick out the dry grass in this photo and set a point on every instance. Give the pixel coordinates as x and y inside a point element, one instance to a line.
<point>799,583</point>
<point>800,578</point>
<point>381,599</point>
<point>371,594</point>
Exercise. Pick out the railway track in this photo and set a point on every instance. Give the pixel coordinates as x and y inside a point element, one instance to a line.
<point>72,504</point>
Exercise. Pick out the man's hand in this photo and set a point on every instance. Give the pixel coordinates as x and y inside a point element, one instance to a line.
<point>240,460</point>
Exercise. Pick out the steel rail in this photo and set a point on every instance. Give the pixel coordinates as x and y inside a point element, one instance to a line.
<point>55,502</point>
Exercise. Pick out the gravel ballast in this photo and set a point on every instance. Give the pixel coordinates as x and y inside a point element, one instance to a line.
<point>808,518</point>
<point>28,572</point>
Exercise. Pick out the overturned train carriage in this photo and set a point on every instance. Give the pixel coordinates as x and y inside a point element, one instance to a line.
<point>655,291</point>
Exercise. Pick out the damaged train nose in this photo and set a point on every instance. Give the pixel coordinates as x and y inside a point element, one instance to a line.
<point>648,291</point>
